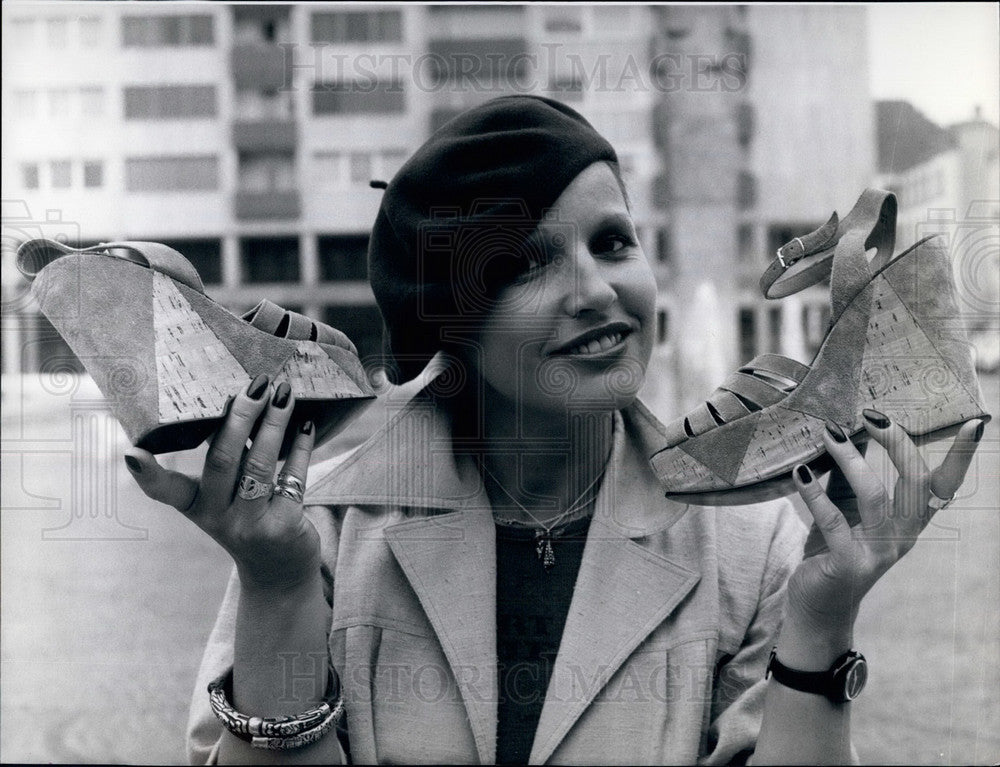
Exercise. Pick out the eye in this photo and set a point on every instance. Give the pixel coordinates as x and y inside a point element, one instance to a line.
<point>613,243</point>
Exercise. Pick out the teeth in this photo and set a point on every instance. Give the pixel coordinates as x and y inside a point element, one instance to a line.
<point>599,344</point>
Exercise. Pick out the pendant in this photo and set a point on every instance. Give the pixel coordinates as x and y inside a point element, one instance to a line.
<point>543,548</point>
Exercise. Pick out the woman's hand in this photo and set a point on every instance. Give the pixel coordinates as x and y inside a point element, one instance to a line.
<point>272,542</point>
<point>825,591</point>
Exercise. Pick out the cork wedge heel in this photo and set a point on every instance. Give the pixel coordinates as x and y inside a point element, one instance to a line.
<point>896,343</point>
<point>167,357</point>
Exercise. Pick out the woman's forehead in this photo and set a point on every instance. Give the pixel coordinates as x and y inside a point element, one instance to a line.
<point>595,190</point>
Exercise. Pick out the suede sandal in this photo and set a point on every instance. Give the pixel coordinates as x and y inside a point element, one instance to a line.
<point>896,344</point>
<point>167,357</point>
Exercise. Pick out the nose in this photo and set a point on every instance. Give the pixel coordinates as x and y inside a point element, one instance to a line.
<point>589,289</point>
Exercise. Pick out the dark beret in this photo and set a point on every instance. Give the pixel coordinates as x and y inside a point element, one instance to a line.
<point>452,230</point>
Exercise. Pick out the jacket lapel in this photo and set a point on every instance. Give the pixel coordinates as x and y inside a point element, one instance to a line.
<point>447,551</point>
<point>623,591</point>
<point>450,561</point>
<point>448,554</point>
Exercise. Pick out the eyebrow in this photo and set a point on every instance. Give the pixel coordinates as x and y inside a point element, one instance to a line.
<point>614,220</point>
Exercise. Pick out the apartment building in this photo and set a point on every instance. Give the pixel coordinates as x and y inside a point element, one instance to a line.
<point>246,137</point>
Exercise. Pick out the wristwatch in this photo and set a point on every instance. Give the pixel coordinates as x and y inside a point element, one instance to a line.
<point>842,682</point>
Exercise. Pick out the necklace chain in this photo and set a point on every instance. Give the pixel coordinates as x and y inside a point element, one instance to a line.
<point>543,537</point>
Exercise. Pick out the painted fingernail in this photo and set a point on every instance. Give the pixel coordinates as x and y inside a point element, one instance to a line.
<point>257,387</point>
<point>876,418</point>
<point>836,432</point>
<point>306,428</point>
<point>805,476</point>
<point>978,435</point>
<point>229,404</point>
<point>281,394</point>
<point>133,464</point>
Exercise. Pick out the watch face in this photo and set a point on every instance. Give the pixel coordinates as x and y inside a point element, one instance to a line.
<point>855,678</point>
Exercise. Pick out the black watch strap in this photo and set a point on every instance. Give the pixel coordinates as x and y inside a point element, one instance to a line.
<point>842,682</point>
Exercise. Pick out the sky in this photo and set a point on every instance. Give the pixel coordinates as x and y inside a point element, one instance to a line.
<point>944,58</point>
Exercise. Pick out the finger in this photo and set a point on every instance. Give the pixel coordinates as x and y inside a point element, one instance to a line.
<point>222,462</point>
<point>872,497</point>
<point>831,523</point>
<point>914,484</point>
<point>163,485</point>
<point>262,459</point>
<point>297,464</point>
<point>948,477</point>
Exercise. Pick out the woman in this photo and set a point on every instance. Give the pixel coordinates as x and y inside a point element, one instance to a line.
<point>496,574</point>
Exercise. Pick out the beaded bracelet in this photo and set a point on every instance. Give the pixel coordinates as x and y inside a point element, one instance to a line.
<point>279,732</point>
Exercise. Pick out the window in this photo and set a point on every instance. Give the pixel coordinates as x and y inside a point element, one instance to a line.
<point>744,124</point>
<point>664,251</point>
<point>171,174</point>
<point>266,172</point>
<point>746,190</point>
<point>25,104</point>
<point>93,174</point>
<point>357,27</point>
<point>29,175</point>
<point>361,167</point>
<point>270,259</point>
<point>328,168</point>
<point>167,31</point>
<point>343,257</point>
<point>169,102</point>
<point>22,32</point>
<point>362,324</point>
<point>748,334</point>
<point>61,174</point>
<point>774,326</point>
<point>744,241</point>
<point>567,87</point>
<point>92,101</point>
<point>205,256</point>
<point>662,326</point>
<point>381,97</point>
<point>90,31</point>
<point>59,102</point>
<point>564,19</point>
<point>56,30</point>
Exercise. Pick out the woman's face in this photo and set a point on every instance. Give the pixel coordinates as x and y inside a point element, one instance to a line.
<point>575,332</point>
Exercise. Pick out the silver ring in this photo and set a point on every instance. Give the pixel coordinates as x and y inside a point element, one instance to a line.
<point>937,503</point>
<point>289,487</point>
<point>251,489</point>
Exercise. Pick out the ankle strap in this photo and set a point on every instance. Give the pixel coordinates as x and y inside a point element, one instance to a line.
<point>809,259</point>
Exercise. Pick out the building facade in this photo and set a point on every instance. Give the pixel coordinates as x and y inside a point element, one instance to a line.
<point>246,136</point>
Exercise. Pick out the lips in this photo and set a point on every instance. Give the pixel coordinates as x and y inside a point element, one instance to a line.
<point>596,340</point>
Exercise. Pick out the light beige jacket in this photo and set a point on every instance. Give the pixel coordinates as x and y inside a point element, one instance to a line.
<point>662,658</point>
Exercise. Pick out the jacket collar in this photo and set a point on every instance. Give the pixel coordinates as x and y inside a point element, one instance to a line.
<point>624,589</point>
<point>410,462</point>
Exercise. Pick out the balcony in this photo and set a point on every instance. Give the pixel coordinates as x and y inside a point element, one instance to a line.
<point>267,206</point>
<point>259,65</point>
<point>264,135</point>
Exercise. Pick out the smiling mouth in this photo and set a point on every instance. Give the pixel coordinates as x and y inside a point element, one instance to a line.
<point>609,340</point>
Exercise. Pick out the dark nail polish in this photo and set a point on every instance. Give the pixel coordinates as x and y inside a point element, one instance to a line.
<point>836,432</point>
<point>281,395</point>
<point>257,387</point>
<point>133,464</point>
<point>306,428</point>
<point>805,476</point>
<point>876,418</point>
<point>978,435</point>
